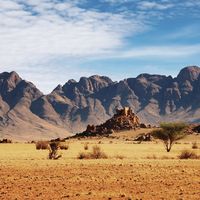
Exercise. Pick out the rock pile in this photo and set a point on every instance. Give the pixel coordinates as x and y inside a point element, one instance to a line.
<point>124,119</point>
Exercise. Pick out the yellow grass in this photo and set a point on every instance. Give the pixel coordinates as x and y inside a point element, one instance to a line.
<point>146,171</point>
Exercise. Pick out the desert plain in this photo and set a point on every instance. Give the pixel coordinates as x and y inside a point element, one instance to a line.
<point>131,171</point>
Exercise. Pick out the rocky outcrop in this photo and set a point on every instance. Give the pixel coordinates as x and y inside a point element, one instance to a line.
<point>124,119</point>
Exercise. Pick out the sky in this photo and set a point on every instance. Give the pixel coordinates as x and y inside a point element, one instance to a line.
<point>49,42</point>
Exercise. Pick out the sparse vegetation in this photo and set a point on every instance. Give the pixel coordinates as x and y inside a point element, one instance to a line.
<point>5,141</point>
<point>115,175</point>
<point>187,154</point>
<point>194,145</point>
<point>96,153</point>
<point>152,157</point>
<point>63,146</point>
<point>169,133</point>
<point>42,145</point>
<point>86,147</point>
<point>121,157</point>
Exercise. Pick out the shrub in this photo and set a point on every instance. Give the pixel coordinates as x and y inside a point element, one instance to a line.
<point>41,145</point>
<point>96,153</point>
<point>187,154</point>
<point>194,145</point>
<point>83,155</point>
<point>169,133</point>
<point>5,141</point>
<point>86,146</point>
<point>64,146</point>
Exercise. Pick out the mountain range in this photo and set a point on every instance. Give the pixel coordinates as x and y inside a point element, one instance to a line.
<point>27,114</point>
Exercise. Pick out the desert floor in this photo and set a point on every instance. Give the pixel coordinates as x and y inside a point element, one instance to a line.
<point>132,171</point>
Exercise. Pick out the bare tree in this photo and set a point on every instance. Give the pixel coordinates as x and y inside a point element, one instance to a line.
<point>169,133</point>
<point>53,150</point>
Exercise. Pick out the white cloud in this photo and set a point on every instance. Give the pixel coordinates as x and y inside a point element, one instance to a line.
<point>34,30</point>
<point>160,52</point>
<point>146,5</point>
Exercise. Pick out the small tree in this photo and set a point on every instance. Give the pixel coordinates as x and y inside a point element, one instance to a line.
<point>169,133</point>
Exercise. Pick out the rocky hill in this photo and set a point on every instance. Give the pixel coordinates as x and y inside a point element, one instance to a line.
<point>93,100</point>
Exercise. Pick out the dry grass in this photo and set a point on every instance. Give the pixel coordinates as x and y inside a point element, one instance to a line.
<point>28,174</point>
<point>194,145</point>
<point>63,146</point>
<point>86,147</point>
<point>121,157</point>
<point>41,145</point>
<point>187,154</point>
<point>152,157</point>
<point>96,153</point>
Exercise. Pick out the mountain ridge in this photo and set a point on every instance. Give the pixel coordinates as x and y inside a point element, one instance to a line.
<point>93,100</point>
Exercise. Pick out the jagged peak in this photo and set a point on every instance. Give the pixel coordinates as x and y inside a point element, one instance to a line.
<point>58,87</point>
<point>96,78</point>
<point>71,81</point>
<point>14,73</point>
<point>147,76</point>
<point>190,73</point>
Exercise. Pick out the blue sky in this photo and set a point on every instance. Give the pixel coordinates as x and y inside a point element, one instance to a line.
<point>51,41</point>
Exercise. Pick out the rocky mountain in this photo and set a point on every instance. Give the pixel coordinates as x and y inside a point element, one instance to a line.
<point>93,100</point>
<point>16,119</point>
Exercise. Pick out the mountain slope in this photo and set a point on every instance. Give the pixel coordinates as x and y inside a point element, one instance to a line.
<point>16,119</point>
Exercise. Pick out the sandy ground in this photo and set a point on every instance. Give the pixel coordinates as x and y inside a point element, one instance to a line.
<point>145,172</point>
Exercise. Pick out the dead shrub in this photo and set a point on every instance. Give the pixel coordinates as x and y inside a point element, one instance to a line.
<point>64,146</point>
<point>83,155</point>
<point>194,145</point>
<point>41,145</point>
<point>96,153</point>
<point>187,154</point>
<point>86,146</point>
